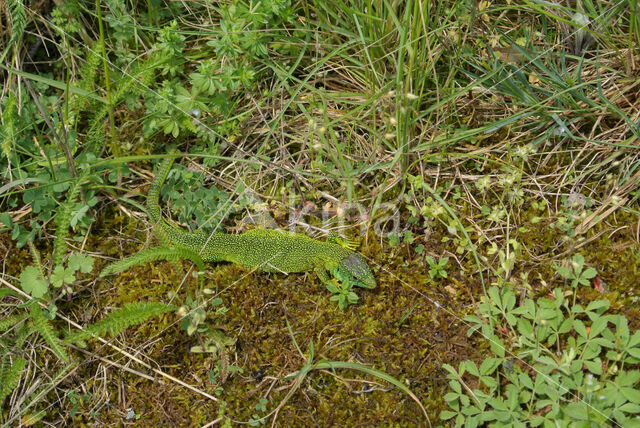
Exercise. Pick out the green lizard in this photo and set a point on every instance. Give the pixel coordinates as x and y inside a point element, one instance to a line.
<point>267,249</point>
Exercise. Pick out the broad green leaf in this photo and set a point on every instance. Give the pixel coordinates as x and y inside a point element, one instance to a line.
<point>80,262</point>
<point>628,378</point>
<point>471,367</point>
<point>497,346</point>
<point>576,411</point>
<point>597,327</point>
<point>32,283</point>
<point>631,394</point>
<point>594,366</point>
<point>525,328</point>
<point>579,260</point>
<point>451,397</point>
<point>598,304</point>
<point>525,380</point>
<point>61,276</point>
<point>630,408</point>
<point>589,273</point>
<point>447,414</point>
<point>489,381</point>
<point>5,219</point>
<point>579,327</point>
<point>489,365</point>
<point>634,340</point>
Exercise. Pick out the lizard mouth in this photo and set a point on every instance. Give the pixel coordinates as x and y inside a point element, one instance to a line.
<point>369,283</point>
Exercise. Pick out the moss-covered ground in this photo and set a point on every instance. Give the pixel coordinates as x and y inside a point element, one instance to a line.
<point>502,136</point>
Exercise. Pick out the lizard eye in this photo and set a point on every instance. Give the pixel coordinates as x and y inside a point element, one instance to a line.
<point>354,264</point>
<point>359,270</point>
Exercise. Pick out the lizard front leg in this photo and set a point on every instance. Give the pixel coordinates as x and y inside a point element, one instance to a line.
<point>324,277</point>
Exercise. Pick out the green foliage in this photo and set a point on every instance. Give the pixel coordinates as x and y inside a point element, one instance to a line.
<point>553,362</point>
<point>36,172</point>
<point>8,131</point>
<point>18,20</point>
<point>198,206</point>
<point>62,275</point>
<point>65,17</point>
<point>63,221</point>
<point>260,407</point>
<point>79,103</point>
<point>32,282</point>
<point>575,271</point>
<point>151,254</point>
<point>80,262</point>
<point>437,269</point>
<point>506,259</point>
<point>199,316</point>
<point>77,401</point>
<point>118,320</point>
<point>10,321</point>
<point>342,294</point>
<point>238,47</point>
<point>43,326</point>
<point>10,373</point>
<point>394,239</point>
<point>33,279</point>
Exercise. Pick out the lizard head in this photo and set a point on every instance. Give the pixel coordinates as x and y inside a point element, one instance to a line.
<point>354,270</point>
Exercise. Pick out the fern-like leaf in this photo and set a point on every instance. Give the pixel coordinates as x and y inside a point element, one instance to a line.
<point>7,323</point>
<point>118,320</point>
<point>81,103</point>
<point>135,82</point>
<point>10,375</point>
<point>8,132</point>
<point>18,20</point>
<point>153,198</point>
<point>23,332</point>
<point>43,326</point>
<point>151,254</point>
<point>63,220</point>
<point>36,259</point>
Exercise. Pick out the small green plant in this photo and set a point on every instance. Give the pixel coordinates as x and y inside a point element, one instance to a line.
<point>575,271</point>
<point>199,317</point>
<point>222,372</point>
<point>77,400</point>
<point>507,260</point>
<point>437,269</point>
<point>36,282</point>
<point>342,294</point>
<point>196,205</point>
<point>394,239</point>
<point>260,407</point>
<point>118,320</point>
<point>554,363</point>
